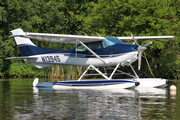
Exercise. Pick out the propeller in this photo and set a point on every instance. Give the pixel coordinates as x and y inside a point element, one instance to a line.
<point>140,50</point>
<point>147,44</point>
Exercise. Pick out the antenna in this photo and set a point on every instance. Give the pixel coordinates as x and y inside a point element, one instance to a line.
<point>85,34</point>
<point>98,34</point>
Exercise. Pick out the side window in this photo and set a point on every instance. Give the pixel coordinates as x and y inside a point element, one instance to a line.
<point>81,48</point>
<point>94,46</point>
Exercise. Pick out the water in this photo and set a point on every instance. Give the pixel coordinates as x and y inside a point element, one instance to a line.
<point>20,101</point>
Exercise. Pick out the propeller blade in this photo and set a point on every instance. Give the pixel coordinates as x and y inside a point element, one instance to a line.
<point>134,39</point>
<point>140,50</point>
<point>139,60</point>
<point>149,43</point>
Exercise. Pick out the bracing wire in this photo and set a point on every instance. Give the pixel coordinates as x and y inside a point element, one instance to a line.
<point>148,64</point>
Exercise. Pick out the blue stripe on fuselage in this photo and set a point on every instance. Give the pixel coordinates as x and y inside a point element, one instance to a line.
<point>28,50</point>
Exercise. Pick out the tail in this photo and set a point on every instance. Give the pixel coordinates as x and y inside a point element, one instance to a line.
<point>28,49</point>
<point>25,45</point>
<point>20,41</point>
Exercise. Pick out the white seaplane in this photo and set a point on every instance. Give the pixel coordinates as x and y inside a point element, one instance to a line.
<point>91,51</point>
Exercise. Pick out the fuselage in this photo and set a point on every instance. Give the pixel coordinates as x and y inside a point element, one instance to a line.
<point>58,58</point>
<point>113,52</point>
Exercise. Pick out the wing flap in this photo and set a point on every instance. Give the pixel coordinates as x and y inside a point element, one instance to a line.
<point>62,38</point>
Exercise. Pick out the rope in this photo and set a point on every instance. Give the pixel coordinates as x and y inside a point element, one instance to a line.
<point>148,64</point>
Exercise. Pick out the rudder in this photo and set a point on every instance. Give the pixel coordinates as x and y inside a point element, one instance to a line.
<point>25,45</point>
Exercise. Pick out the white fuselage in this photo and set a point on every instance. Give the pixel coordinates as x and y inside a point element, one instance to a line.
<point>44,60</point>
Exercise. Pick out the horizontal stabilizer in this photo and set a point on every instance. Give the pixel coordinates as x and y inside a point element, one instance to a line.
<point>16,36</point>
<point>20,58</point>
<point>38,65</point>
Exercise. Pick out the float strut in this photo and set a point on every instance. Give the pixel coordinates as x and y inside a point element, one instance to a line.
<point>134,71</point>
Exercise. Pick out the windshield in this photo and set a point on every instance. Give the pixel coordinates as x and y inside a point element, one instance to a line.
<point>109,41</point>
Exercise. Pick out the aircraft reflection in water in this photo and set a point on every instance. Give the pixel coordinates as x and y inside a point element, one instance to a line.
<point>99,104</point>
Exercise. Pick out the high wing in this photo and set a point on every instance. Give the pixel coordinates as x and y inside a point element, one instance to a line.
<point>125,39</point>
<point>61,38</point>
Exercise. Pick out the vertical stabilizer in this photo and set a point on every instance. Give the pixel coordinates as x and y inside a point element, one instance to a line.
<point>25,45</point>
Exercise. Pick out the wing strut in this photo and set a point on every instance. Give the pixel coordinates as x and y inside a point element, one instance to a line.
<point>92,52</point>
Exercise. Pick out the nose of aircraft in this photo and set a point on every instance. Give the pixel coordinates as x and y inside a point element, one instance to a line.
<point>142,48</point>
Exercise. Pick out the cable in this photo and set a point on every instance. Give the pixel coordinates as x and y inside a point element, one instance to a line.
<point>148,64</point>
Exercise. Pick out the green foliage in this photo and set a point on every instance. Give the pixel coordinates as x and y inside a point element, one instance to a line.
<point>108,18</point>
<point>142,18</point>
<point>21,69</point>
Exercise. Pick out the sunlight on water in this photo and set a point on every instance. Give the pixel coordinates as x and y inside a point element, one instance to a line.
<point>19,100</point>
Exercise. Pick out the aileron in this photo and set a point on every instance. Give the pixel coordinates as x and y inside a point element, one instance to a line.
<point>125,39</point>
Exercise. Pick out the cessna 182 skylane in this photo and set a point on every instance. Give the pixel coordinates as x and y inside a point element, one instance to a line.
<point>92,51</point>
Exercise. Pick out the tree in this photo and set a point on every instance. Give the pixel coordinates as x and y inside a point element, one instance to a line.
<point>108,18</point>
<point>142,18</point>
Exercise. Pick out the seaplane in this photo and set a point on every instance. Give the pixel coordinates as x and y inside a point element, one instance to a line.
<point>91,51</point>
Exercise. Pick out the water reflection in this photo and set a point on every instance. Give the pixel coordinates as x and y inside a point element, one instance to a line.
<point>151,102</point>
<point>19,100</point>
<point>172,94</point>
<point>152,92</point>
<point>91,104</point>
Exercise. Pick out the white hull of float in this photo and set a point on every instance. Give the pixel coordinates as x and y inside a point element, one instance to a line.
<point>152,82</point>
<point>143,83</point>
<point>118,86</point>
<point>96,84</point>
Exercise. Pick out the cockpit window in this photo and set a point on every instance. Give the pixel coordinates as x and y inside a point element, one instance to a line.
<point>109,41</point>
<point>80,48</point>
<point>92,46</point>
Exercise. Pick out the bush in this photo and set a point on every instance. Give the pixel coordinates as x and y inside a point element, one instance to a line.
<point>22,69</point>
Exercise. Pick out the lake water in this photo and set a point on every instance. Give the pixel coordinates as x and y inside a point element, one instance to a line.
<point>20,101</point>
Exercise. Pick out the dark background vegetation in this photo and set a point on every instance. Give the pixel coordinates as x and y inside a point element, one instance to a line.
<point>106,17</point>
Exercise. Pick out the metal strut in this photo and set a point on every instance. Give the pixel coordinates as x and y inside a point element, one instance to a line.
<point>123,72</point>
<point>105,75</point>
<point>91,66</point>
<point>114,71</point>
<point>134,71</point>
